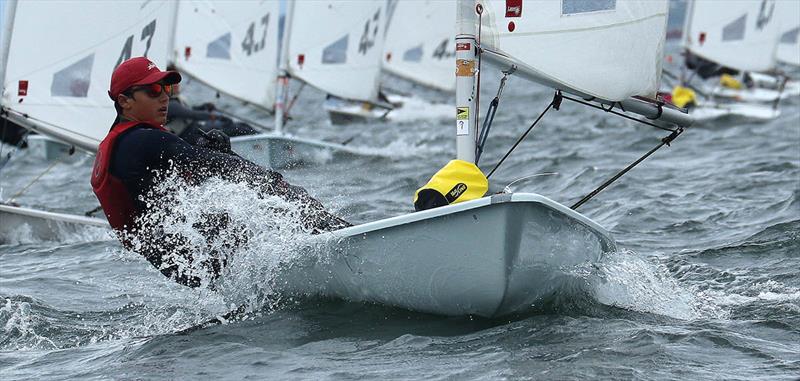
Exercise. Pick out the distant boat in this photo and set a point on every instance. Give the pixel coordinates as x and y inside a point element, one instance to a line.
<point>726,42</point>
<point>233,47</point>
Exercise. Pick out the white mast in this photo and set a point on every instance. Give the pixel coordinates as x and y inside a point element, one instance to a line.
<point>282,90</point>
<point>172,54</point>
<point>8,27</point>
<point>465,81</point>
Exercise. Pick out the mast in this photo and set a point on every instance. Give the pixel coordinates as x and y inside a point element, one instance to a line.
<point>5,45</point>
<point>687,35</point>
<point>282,90</point>
<point>465,80</point>
<point>172,54</point>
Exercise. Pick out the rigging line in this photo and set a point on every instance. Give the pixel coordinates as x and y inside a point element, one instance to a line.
<point>478,51</point>
<point>490,113</point>
<point>664,141</point>
<point>555,103</point>
<point>71,151</point>
<point>291,102</point>
<point>611,111</point>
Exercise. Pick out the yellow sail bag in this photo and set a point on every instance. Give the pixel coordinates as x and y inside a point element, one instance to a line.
<point>457,181</point>
<point>683,97</point>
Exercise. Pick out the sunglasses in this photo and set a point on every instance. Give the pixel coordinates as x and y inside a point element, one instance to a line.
<point>152,90</point>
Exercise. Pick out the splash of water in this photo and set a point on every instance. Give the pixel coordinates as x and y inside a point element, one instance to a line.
<point>626,280</point>
<point>19,328</point>
<point>248,236</point>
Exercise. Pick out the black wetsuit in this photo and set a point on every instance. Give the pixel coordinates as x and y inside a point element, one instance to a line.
<point>194,120</point>
<point>141,155</point>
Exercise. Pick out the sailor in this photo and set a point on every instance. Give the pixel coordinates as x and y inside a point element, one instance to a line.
<point>138,150</point>
<point>192,123</point>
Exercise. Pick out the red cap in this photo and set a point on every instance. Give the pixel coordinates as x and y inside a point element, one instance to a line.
<point>139,71</point>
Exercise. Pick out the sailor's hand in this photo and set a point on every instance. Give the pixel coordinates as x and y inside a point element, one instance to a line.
<point>216,140</point>
<point>208,106</point>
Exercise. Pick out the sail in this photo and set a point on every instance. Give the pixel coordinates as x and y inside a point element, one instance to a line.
<point>336,46</point>
<point>231,46</point>
<point>788,50</point>
<point>58,71</point>
<point>737,34</point>
<point>609,49</point>
<point>423,53</point>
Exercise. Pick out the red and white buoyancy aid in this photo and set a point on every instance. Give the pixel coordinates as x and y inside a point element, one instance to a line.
<point>117,203</point>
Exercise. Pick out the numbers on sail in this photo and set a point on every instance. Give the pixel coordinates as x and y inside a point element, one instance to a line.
<point>441,52</point>
<point>763,15</point>
<point>369,36</point>
<point>249,44</point>
<point>148,32</point>
<point>127,49</point>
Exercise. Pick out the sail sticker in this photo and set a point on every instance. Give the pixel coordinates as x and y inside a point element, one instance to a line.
<point>301,59</point>
<point>735,30</point>
<point>220,48</point>
<point>465,68</point>
<point>187,52</point>
<point>513,8</point>
<point>336,52</point>
<point>462,46</point>
<point>73,80</point>
<point>462,128</point>
<point>22,88</point>
<point>511,26</point>
<point>569,7</point>
<point>462,113</point>
<point>462,121</point>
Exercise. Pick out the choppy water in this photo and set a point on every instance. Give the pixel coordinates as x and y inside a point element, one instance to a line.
<point>706,285</point>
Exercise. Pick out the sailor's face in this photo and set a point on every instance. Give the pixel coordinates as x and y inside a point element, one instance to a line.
<point>143,104</point>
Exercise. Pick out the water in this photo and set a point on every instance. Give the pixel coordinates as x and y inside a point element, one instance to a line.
<point>705,284</point>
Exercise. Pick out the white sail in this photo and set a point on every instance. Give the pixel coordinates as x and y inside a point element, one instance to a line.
<point>336,46</point>
<point>609,49</point>
<point>788,13</point>
<point>420,43</point>
<point>230,45</point>
<point>58,73</point>
<point>738,34</point>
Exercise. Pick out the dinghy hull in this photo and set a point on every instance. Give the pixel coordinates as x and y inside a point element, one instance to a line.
<point>489,257</point>
<point>283,151</point>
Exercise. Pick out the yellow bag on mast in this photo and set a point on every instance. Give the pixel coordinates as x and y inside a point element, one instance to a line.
<point>456,182</point>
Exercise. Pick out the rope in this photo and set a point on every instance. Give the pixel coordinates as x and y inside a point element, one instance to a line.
<point>35,179</point>
<point>555,103</point>
<point>487,122</point>
<point>291,102</point>
<point>479,10</point>
<point>611,110</point>
<point>665,141</point>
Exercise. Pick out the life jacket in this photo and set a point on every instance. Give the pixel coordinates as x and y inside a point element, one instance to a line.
<point>117,203</point>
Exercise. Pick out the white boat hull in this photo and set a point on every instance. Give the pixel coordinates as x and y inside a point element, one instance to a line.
<point>745,110</point>
<point>489,257</point>
<point>283,151</point>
